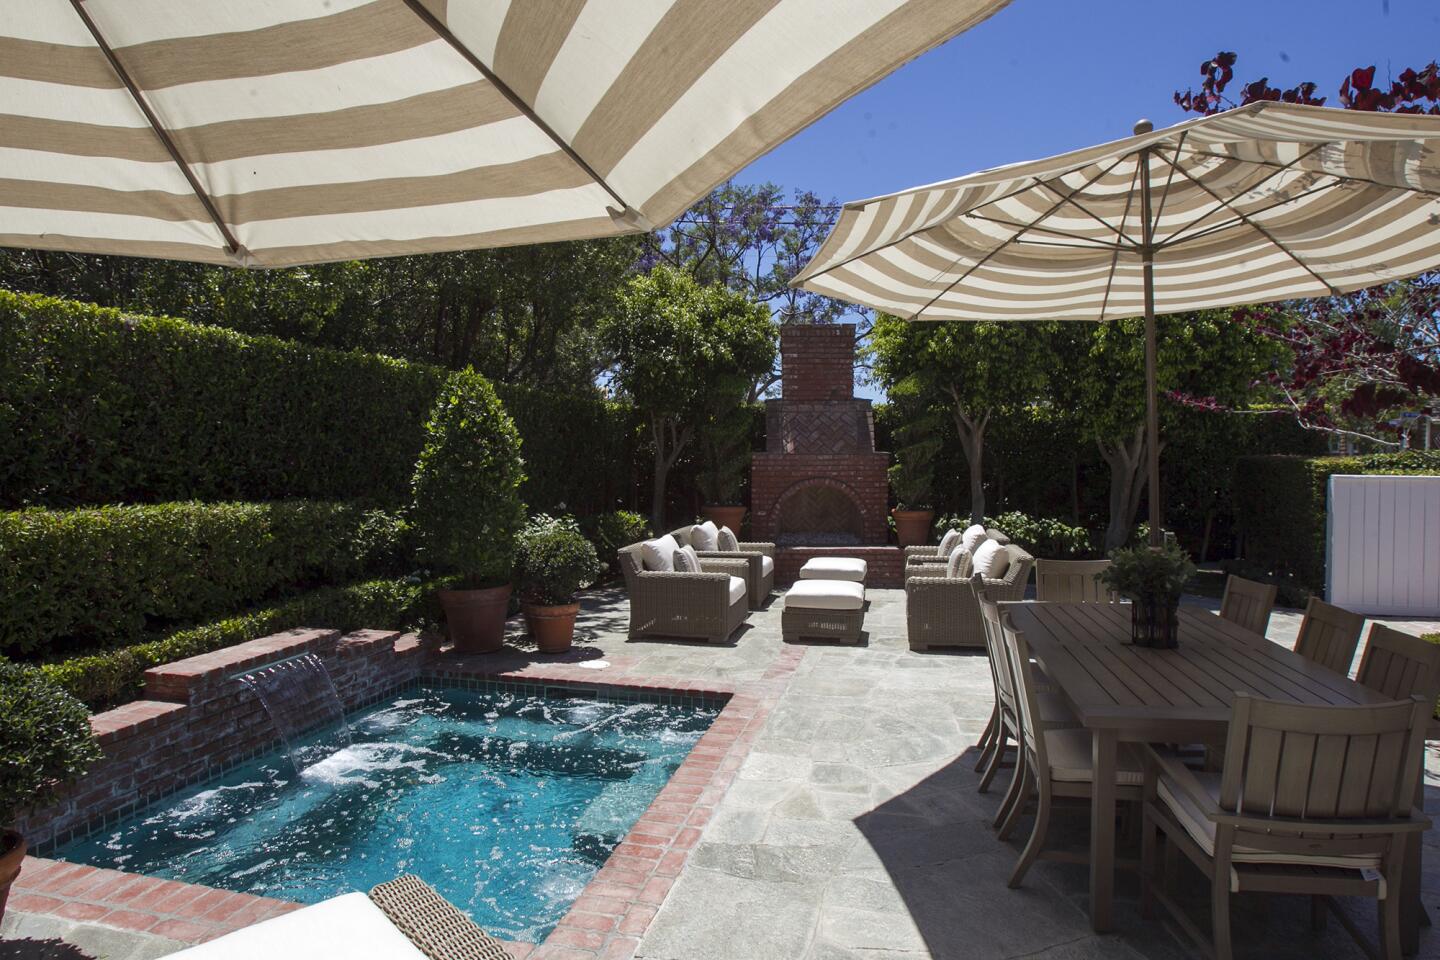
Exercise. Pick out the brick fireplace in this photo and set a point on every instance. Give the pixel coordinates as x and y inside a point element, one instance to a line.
<point>820,485</point>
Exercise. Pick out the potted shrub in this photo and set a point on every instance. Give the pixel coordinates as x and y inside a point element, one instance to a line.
<point>553,561</point>
<point>1152,579</point>
<point>912,478</point>
<point>466,509</point>
<point>45,744</point>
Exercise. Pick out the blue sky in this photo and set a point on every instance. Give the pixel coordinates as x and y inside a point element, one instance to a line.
<point>1045,76</point>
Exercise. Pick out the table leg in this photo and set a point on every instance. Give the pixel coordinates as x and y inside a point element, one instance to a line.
<point>1410,906</point>
<point>1102,833</point>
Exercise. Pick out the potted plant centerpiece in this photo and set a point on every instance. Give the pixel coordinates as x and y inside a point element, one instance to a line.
<point>553,562</point>
<point>466,508</point>
<point>45,744</point>
<point>1152,578</point>
<point>912,475</point>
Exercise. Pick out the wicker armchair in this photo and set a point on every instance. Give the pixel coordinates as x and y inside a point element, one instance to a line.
<point>693,606</point>
<point>758,583</point>
<point>941,611</point>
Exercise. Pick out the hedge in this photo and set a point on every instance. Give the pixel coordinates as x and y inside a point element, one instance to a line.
<point>1280,507</point>
<point>106,576</point>
<point>100,407</point>
<point>108,678</point>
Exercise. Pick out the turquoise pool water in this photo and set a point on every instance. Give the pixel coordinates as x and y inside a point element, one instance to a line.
<point>507,804</point>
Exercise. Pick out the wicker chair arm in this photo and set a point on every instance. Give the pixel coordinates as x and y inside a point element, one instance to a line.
<point>935,585</point>
<point>738,567</point>
<point>758,546</point>
<point>922,551</point>
<point>687,587</point>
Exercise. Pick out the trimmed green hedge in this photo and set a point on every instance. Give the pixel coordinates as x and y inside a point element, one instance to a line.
<point>108,678</point>
<point>1280,508</point>
<point>106,576</point>
<point>579,448</point>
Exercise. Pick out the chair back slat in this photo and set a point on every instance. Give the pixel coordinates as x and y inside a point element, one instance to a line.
<point>1248,604</point>
<point>1018,654</point>
<point>1323,763</point>
<point>1000,670</point>
<point>1070,581</point>
<point>1329,635</point>
<point>1398,665</point>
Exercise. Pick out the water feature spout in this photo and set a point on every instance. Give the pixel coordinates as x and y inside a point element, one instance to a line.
<point>300,697</point>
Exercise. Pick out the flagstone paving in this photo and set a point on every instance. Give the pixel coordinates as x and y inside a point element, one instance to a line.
<point>853,828</point>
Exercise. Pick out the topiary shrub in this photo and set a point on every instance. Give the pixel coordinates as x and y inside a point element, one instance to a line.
<point>466,509</point>
<point>553,561</point>
<point>611,531</point>
<point>45,740</point>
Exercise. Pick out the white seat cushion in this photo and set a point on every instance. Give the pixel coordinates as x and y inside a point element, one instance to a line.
<point>658,555</point>
<point>705,536</point>
<point>737,589</point>
<point>1071,753</point>
<point>990,560</point>
<point>972,537</point>
<point>949,542</point>
<point>767,566</point>
<point>1202,831</point>
<point>349,926</point>
<point>834,568</point>
<point>826,595</point>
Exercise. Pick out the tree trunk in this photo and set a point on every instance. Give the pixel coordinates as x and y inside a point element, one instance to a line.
<point>1126,459</point>
<point>669,441</point>
<point>972,440</point>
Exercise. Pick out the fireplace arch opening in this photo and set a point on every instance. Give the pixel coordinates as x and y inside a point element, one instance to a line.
<point>819,512</point>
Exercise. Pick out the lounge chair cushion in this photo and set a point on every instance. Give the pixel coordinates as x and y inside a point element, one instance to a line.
<point>726,540</point>
<point>686,560</point>
<point>990,560</point>
<point>737,589</point>
<point>834,568</point>
<point>948,542</point>
<point>658,555</point>
<point>972,536</point>
<point>1071,755</point>
<point>767,566</point>
<point>826,595</point>
<point>705,536</point>
<point>349,926</point>
<point>1202,831</point>
<point>958,563</point>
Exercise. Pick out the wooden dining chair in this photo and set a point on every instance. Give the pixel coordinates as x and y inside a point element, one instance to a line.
<point>1329,635</point>
<point>1070,581</point>
<point>1312,800</point>
<point>1053,762</point>
<point>1248,604</point>
<point>1400,665</point>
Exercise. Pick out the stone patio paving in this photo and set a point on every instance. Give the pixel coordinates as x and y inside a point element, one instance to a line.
<point>854,830</point>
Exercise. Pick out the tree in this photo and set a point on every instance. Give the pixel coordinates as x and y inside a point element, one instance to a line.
<point>683,350</point>
<point>974,370</point>
<point>1362,357</point>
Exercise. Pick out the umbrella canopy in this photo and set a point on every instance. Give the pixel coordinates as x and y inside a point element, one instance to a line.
<point>1271,201</point>
<point>275,132</point>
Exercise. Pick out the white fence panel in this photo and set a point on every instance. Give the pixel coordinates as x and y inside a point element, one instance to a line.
<point>1383,545</point>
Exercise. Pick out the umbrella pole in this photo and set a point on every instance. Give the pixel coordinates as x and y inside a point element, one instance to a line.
<point>1152,413</point>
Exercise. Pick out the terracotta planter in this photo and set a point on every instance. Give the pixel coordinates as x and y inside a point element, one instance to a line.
<point>12,853</point>
<point>723,516</point>
<point>476,618</point>
<point>553,627</point>
<point>912,527</point>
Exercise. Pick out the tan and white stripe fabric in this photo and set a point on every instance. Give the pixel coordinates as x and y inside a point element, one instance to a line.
<point>1261,203</point>
<point>329,129</point>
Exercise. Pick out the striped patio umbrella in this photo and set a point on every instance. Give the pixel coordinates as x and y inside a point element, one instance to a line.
<point>1267,202</point>
<point>265,133</point>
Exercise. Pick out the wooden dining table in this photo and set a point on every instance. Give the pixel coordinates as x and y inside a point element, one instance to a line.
<point>1122,693</point>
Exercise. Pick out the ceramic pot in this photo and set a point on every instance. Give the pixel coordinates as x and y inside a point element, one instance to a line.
<point>12,854</point>
<point>476,618</point>
<point>553,627</point>
<point>725,516</point>
<point>912,527</point>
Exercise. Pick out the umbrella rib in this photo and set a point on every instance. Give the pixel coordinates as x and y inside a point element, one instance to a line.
<point>1083,209</point>
<point>986,259</point>
<point>1115,260</point>
<point>1175,165</point>
<point>155,125</point>
<point>1256,227</point>
<point>1059,233</point>
<point>443,32</point>
<point>1178,238</point>
<point>1170,178</point>
<point>1338,176</point>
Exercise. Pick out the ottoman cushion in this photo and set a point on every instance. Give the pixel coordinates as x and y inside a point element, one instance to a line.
<point>834,568</point>
<point>826,595</point>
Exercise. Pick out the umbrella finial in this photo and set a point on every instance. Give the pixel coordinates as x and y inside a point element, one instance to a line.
<point>1143,126</point>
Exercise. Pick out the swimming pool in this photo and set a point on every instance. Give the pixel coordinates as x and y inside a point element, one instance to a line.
<point>506,802</point>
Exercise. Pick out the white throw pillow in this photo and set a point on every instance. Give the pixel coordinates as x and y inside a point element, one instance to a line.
<point>948,543</point>
<point>704,536</point>
<point>991,560</point>
<point>959,563</point>
<point>972,537</point>
<point>659,554</point>
<point>727,540</point>
<point>686,560</point>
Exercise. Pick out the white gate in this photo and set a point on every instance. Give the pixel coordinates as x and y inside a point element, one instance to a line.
<point>1383,545</point>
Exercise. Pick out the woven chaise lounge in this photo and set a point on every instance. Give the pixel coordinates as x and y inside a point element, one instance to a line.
<point>693,606</point>
<point>403,919</point>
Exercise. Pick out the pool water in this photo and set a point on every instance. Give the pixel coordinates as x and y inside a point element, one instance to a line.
<point>506,803</point>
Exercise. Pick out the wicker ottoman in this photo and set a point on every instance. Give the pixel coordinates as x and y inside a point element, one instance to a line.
<point>834,568</point>
<point>823,609</point>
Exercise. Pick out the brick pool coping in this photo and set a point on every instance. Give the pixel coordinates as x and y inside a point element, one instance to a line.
<point>606,920</point>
